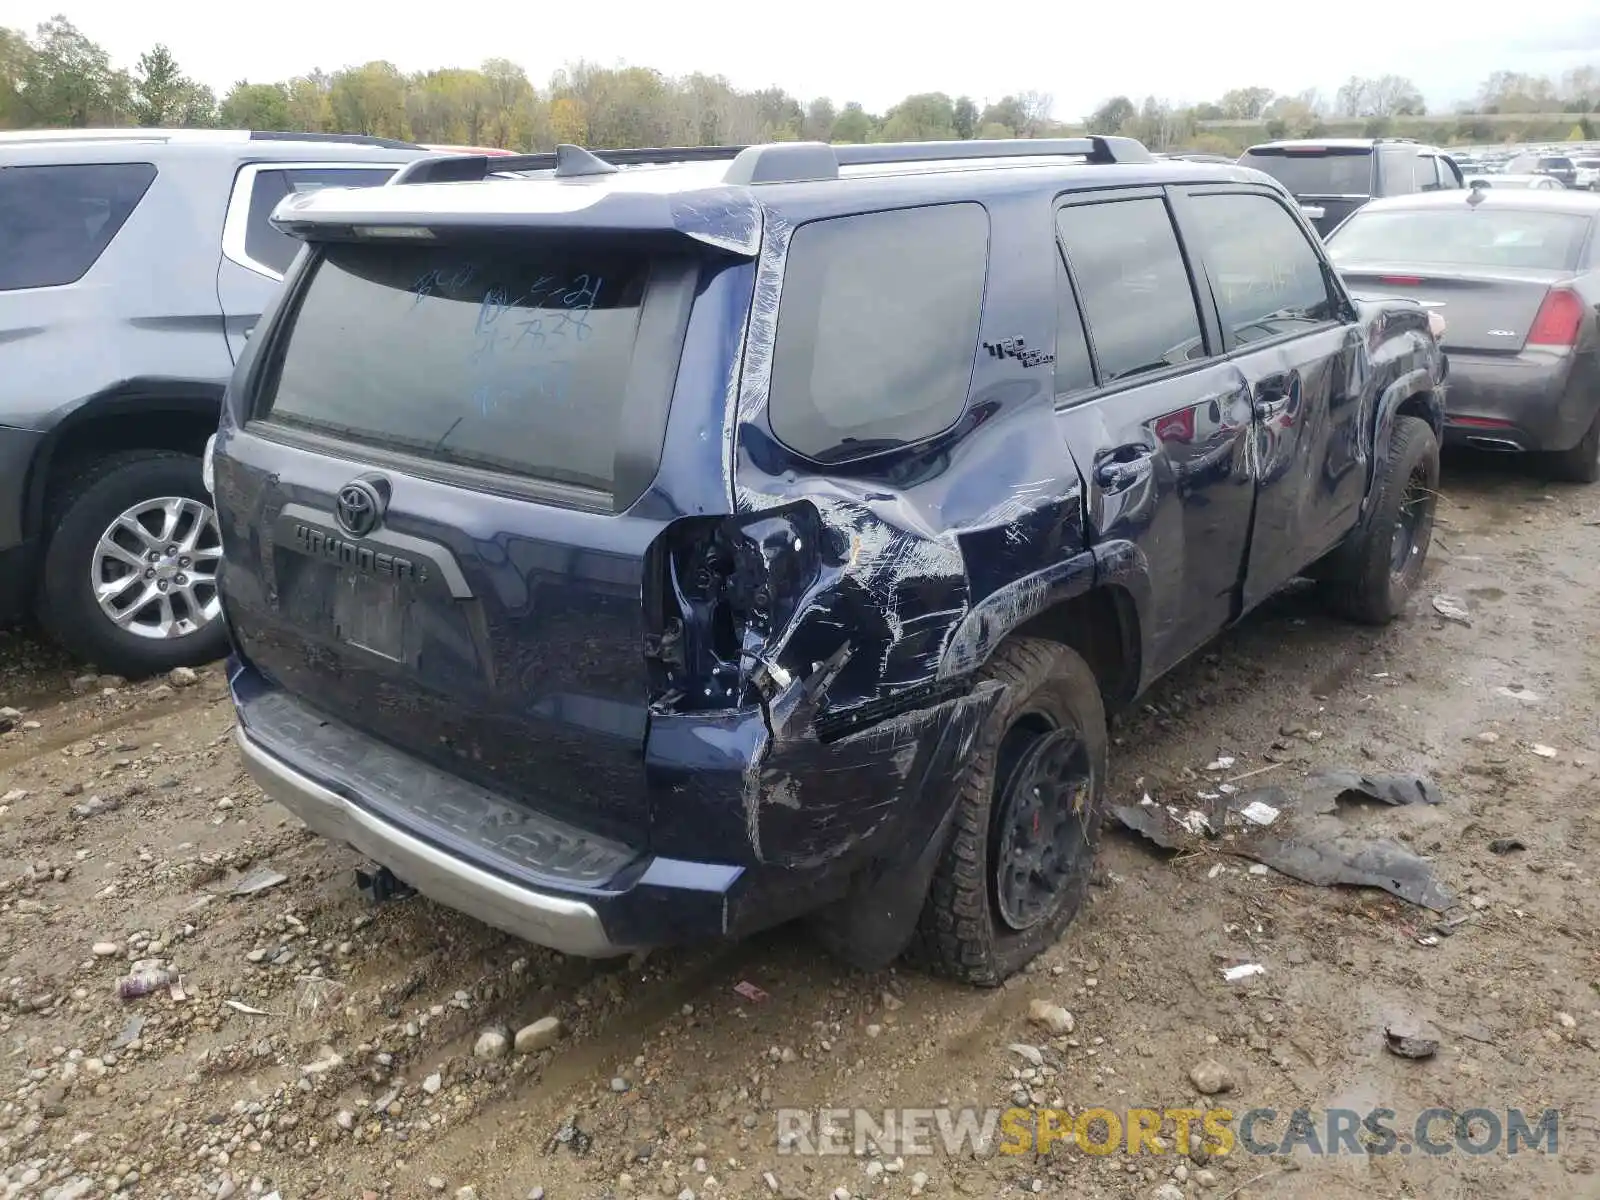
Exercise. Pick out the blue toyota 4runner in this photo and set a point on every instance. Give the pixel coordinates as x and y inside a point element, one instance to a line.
<point>638,548</point>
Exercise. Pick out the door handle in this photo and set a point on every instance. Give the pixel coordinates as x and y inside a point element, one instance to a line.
<point>1119,469</point>
<point>1271,406</point>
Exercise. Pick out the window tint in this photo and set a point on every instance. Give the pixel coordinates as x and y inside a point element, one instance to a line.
<point>1468,237</point>
<point>1429,176</point>
<point>1074,371</point>
<point>512,358</point>
<point>877,329</point>
<point>1265,275</point>
<point>1316,171</point>
<point>1135,287</point>
<point>263,241</point>
<point>55,222</point>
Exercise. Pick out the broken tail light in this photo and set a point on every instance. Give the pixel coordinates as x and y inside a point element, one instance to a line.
<point>724,589</point>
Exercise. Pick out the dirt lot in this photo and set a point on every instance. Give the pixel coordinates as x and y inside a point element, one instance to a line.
<point>326,1047</point>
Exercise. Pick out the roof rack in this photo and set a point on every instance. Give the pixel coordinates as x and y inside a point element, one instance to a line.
<point>351,139</point>
<point>778,162</point>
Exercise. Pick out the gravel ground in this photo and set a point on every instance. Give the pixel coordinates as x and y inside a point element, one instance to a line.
<point>315,1045</point>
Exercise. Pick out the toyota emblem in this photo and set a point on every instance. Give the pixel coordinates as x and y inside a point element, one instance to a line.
<point>359,508</point>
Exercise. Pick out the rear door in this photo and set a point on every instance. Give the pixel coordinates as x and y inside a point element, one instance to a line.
<point>1159,424</point>
<point>431,518</point>
<point>1283,324</point>
<point>255,254</point>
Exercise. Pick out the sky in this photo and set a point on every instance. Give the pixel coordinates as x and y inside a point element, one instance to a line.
<point>876,53</point>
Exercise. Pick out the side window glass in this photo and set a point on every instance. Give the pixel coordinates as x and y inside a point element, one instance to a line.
<point>1265,274</point>
<point>1400,171</point>
<point>1427,173</point>
<point>877,329</point>
<point>1074,371</point>
<point>264,243</point>
<point>1137,298</point>
<point>55,222</point>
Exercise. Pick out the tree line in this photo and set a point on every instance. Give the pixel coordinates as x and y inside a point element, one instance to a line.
<point>60,77</point>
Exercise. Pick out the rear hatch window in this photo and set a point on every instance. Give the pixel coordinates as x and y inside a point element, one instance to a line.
<point>494,356</point>
<point>56,221</point>
<point>1464,237</point>
<point>1316,171</point>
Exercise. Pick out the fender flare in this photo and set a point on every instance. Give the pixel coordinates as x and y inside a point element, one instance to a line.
<point>1117,563</point>
<point>1416,383</point>
<point>143,394</point>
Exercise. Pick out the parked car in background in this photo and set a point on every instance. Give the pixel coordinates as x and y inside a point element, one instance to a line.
<point>133,265</point>
<point>1557,166</point>
<point>1544,183</point>
<point>1586,173</point>
<point>1332,177</point>
<point>651,555</point>
<point>1516,276</point>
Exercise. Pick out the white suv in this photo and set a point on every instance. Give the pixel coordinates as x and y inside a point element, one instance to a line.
<point>1588,173</point>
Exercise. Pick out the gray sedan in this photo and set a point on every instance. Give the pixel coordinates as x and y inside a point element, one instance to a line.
<point>1515,275</point>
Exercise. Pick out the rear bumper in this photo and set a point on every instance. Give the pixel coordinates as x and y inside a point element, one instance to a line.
<point>810,817</point>
<point>570,926</point>
<point>1518,402</point>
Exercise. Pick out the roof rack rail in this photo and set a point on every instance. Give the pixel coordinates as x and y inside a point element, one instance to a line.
<point>461,168</point>
<point>777,162</point>
<point>351,139</point>
<point>794,162</point>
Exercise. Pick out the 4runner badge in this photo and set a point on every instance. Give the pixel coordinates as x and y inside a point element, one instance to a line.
<point>1015,347</point>
<point>360,507</point>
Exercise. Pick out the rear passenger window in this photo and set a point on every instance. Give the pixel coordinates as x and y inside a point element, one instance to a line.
<point>55,222</point>
<point>267,245</point>
<point>1267,279</point>
<point>1427,173</point>
<point>877,329</point>
<point>1134,285</point>
<point>1074,371</point>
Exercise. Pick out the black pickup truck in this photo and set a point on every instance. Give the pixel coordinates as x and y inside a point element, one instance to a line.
<point>647,546</point>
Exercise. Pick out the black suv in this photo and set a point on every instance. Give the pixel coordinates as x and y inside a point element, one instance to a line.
<point>1332,177</point>
<point>629,551</point>
<point>133,263</point>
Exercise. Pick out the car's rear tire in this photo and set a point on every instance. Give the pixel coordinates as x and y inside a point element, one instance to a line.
<point>1581,464</point>
<point>101,592</point>
<point>1032,796</point>
<point>1372,576</point>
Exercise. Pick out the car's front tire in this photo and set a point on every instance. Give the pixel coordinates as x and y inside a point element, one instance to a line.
<point>1027,823</point>
<point>129,577</point>
<point>1372,576</point>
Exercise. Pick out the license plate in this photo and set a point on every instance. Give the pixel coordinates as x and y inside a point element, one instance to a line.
<point>370,616</point>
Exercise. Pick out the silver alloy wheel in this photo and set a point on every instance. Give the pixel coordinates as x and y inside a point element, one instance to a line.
<point>155,568</point>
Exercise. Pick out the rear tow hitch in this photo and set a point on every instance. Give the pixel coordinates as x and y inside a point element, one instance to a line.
<point>381,886</point>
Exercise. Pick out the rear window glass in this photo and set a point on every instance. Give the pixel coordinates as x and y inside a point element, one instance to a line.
<point>264,242</point>
<point>877,329</point>
<point>1466,237</point>
<point>1555,164</point>
<point>507,358</point>
<point>56,221</point>
<point>1316,173</point>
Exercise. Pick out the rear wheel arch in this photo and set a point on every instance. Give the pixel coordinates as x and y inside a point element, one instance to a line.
<point>140,414</point>
<point>1102,626</point>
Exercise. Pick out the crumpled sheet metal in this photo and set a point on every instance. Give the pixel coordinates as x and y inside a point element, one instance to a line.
<point>1304,842</point>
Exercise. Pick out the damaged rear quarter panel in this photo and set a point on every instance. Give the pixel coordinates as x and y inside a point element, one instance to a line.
<point>926,533</point>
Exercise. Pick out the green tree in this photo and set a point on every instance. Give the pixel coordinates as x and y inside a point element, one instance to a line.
<point>925,117</point>
<point>1111,116</point>
<point>820,116</point>
<point>255,106</point>
<point>68,80</point>
<point>965,117</point>
<point>853,124</point>
<point>15,56</point>
<point>311,104</point>
<point>164,96</point>
<point>1244,104</point>
<point>369,99</point>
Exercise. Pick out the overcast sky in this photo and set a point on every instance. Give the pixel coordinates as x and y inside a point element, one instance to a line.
<point>876,52</point>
